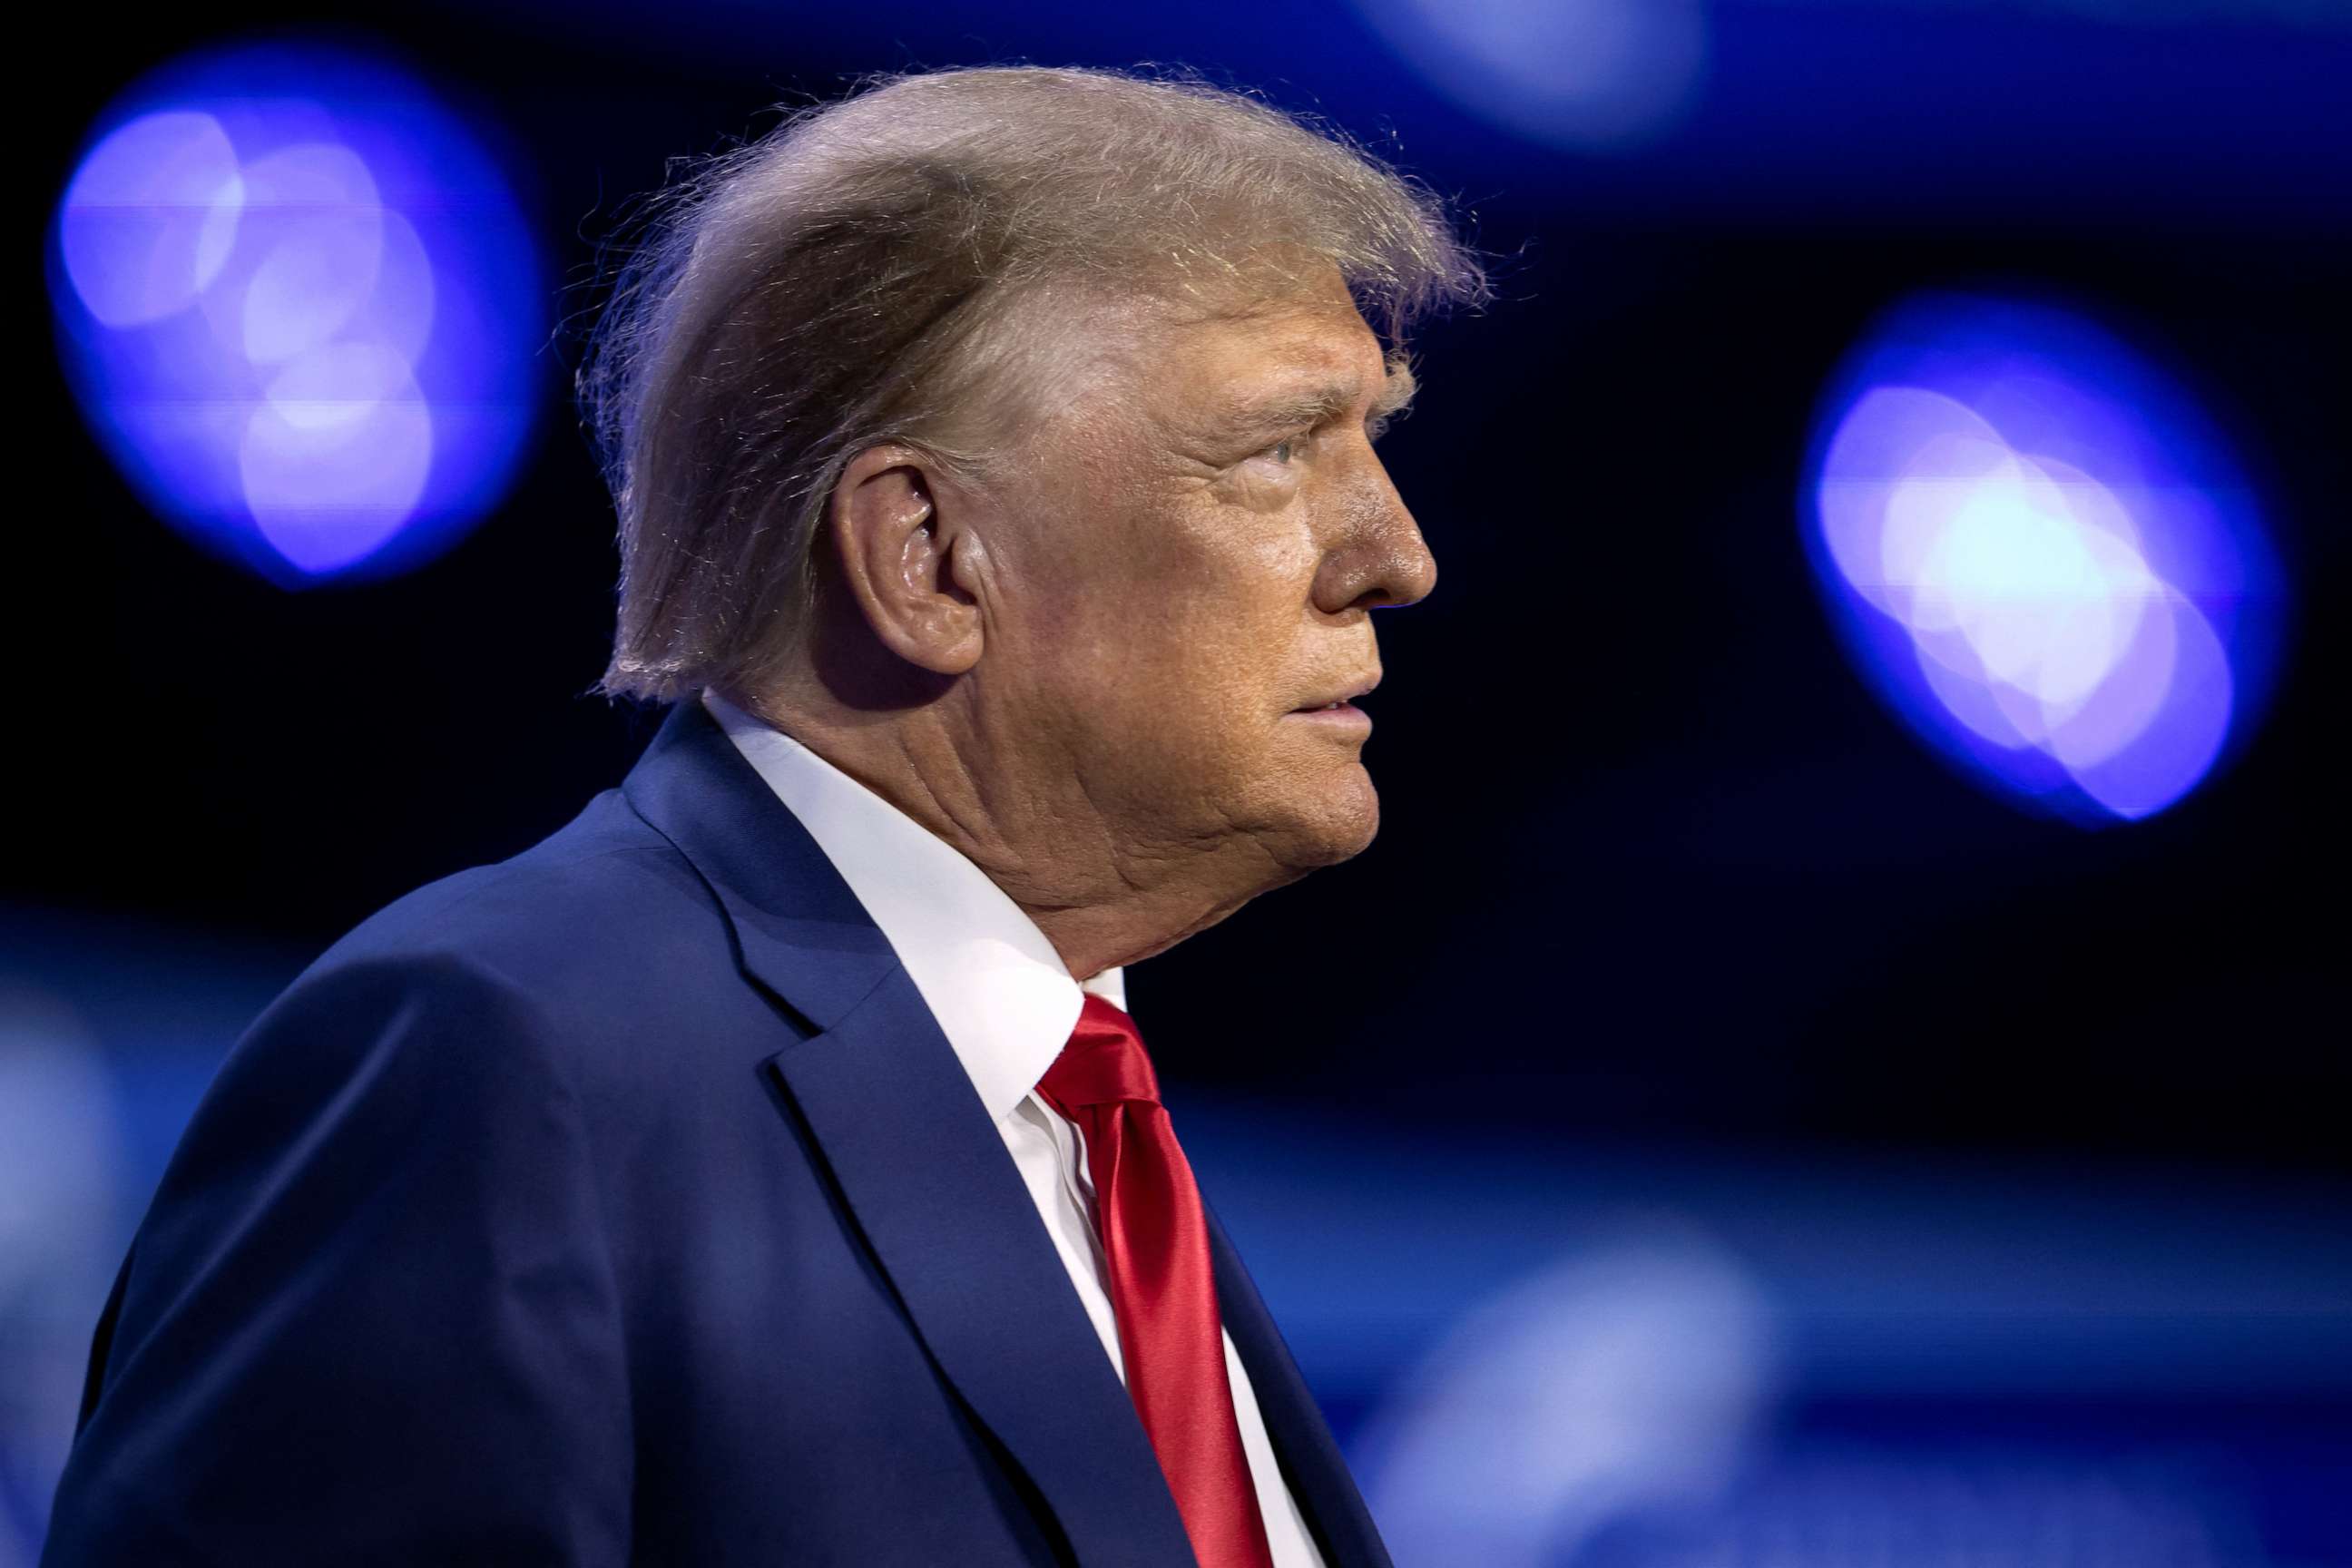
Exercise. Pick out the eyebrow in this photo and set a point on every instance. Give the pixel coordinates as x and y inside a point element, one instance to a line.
<point>1313,405</point>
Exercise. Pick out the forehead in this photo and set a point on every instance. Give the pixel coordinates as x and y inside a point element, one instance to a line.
<point>1308,334</point>
<point>1194,369</point>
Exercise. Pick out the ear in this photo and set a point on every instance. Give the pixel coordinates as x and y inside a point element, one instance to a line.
<point>910,557</point>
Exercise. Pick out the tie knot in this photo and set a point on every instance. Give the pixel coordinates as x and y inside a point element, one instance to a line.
<point>1103,1064</point>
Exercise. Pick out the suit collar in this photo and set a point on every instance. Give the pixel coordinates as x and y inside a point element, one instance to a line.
<point>800,931</point>
<point>1000,994</point>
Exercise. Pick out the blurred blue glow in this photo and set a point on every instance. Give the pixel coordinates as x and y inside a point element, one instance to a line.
<point>298,305</point>
<point>2041,555</point>
<point>1586,75</point>
<point>1629,1375</point>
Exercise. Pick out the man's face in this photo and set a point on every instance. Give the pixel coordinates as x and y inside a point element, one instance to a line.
<point>1195,543</point>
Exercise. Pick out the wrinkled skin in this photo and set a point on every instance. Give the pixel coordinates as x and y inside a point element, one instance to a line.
<point>1087,673</point>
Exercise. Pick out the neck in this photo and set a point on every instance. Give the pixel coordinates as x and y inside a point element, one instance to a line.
<point>1101,897</point>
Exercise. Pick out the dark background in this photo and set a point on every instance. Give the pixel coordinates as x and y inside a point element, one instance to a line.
<point>1618,751</point>
<point>1660,885</point>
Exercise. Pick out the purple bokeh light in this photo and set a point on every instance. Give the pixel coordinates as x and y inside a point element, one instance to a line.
<point>2042,556</point>
<point>298,305</point>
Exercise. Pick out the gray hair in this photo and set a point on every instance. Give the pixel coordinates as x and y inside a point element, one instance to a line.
<point>846,280</point>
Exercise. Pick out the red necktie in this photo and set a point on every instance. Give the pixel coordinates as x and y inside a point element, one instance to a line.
<point>1155,1250</point>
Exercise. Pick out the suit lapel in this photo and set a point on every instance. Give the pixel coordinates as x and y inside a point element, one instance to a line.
<point>924,1173</point>
<point>1310,1456</point>
<point>947,1218</point>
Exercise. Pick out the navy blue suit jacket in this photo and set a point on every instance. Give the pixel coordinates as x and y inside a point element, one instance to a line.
<point>624,1203</point>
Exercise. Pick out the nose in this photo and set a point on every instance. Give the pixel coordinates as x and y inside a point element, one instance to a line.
<point>1377,557</point>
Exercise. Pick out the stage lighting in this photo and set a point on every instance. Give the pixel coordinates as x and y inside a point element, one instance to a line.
<point>1583,75</point>
<point>298,306</point>
<point>2040,554</point>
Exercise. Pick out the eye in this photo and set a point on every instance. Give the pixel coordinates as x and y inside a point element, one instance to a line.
<point>1290,449</point>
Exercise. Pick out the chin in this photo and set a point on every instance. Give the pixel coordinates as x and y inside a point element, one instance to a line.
<point>1338,823</point>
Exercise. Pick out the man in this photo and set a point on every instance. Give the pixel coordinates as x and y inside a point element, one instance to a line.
<point>763,1168</point>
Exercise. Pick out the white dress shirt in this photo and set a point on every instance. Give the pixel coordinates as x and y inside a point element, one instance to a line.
<point>1007,1004</point>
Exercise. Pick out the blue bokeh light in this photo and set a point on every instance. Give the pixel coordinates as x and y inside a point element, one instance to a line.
<point>2041,555</point>
<point>1587,75</point>
<point>300,306</point>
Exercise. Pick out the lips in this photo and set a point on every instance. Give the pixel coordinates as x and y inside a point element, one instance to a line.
<point>1340,699</point>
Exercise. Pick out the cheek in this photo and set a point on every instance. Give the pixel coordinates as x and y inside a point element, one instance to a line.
<point>1223,630</point>
<point>1183,693</point>
<point>1214,603</point>
<point>1175,636</point>
<point>1177,706</point>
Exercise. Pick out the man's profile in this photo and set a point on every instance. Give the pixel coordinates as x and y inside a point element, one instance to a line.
<point>763,1168</point>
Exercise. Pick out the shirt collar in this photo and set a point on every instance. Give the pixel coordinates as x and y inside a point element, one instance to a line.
<point>1002,995</point>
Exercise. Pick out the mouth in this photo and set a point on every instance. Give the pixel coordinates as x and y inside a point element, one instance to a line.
<point>1339,707</point>
<point>1341,699</point>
